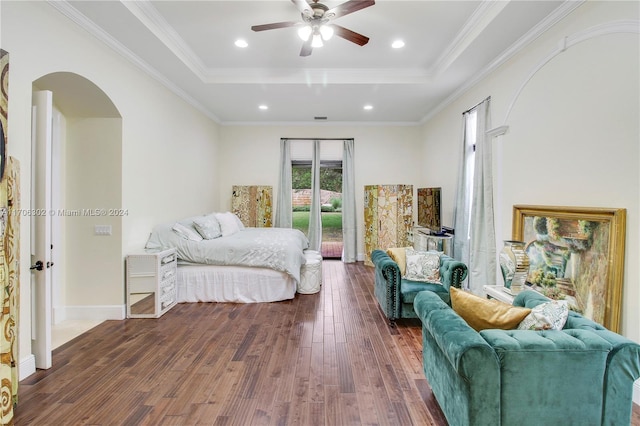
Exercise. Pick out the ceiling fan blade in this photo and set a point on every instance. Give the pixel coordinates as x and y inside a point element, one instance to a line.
<point>348,7</point>
<point>274,26</point>
<point>349,35</point>
<point>303,7</point>
<point>306,47</point>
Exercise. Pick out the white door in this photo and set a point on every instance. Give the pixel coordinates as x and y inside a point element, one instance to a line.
<point>41,214</point>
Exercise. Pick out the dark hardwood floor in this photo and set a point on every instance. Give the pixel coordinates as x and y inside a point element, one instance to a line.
<point>322,359</point>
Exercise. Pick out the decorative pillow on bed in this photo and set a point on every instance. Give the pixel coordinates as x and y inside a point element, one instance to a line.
<point>239,222</point>
<point>208,226</point>
<point>228,223</point>
<point>186,232</point>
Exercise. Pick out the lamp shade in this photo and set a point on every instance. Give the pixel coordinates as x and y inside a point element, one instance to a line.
<point>304,32</point>
<point>326,31</point>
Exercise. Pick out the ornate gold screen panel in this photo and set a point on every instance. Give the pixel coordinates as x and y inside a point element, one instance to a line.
<point>9,229</point>
<point>253,205</point>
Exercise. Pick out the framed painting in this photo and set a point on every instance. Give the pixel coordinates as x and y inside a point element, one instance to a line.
<point>576,254</point>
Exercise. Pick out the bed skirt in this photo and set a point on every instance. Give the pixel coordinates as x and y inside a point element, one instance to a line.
<point>237,284</point>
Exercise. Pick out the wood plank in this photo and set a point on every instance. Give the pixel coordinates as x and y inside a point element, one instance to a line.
<point>326,358</point>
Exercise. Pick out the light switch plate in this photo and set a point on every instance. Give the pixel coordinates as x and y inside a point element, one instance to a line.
<point>102,229</point>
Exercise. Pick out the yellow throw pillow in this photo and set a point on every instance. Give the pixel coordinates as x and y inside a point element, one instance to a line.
<point>482,313</point>
<point>399,256</point>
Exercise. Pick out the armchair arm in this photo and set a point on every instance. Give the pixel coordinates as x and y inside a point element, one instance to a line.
<point>452,272</point>
<point>387,283</point>
<point>461,367</point>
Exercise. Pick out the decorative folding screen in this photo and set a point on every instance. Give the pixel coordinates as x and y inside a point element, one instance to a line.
<point>388,217</point>
<point>9,259</point>
<point>253,205</point>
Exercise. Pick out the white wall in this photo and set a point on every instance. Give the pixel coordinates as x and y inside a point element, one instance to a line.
<point>93,181</point>
<point>169,165</point>
<point>383,155</point>
<point>573,137</point>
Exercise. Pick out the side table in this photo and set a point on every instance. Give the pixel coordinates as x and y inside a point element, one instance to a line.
<point>498,292</point>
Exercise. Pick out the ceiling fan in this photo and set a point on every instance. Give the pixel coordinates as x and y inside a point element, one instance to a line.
<point>317,26</point>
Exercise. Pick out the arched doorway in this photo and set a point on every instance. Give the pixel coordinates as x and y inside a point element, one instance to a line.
<point>77,163</point>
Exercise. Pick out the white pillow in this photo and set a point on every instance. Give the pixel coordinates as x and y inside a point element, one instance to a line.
<point>228,223</point>
<point>422,266</point>
<point>208,226</point>
<point>239,222</point>
<point>551,315</point>
<point>186,232</point>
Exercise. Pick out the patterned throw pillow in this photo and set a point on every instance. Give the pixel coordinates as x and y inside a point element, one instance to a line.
<point>551,315</point>
<point>208,226</point>
<point>422,266</point>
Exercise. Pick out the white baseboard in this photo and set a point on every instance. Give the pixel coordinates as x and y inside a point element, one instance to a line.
<point>26,367</point>
<point>636,392</point>
<point>95,313</point>
<point>59,314</point>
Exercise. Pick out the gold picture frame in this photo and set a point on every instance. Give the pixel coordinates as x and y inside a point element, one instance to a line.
<point>576,253</point>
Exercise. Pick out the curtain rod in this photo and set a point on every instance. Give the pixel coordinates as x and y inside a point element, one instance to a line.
<point>316,139</point>
<point>476,105</point>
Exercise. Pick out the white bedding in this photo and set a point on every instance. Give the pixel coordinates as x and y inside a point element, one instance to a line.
<point>281,249</point>
<point>237,284</point>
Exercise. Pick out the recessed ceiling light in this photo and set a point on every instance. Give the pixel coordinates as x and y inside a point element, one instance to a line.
<point>397,44</point>
<point>263,107</point>
<point>241,43</point>
<point>368,107</point>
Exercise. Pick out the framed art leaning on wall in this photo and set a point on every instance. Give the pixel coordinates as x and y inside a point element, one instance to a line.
<point>576,254</point>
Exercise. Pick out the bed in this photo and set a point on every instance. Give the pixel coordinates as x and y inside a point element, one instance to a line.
<point>228,262</point>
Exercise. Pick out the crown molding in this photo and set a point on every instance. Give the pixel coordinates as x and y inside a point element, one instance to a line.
<point>478,22</point>
<point>149,16</point>
<point>359,124</point>
<point>318,76</point>
<point>560,13</point>
<point>83,22</point>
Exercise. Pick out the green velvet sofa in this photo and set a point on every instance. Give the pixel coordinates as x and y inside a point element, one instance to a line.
<point>395,294</point>
<point>580,375</point>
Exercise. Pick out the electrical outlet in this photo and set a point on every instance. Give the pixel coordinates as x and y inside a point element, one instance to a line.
<point>102,230</point>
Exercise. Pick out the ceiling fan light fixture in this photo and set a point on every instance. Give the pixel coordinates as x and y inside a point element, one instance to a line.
<point>326,32</point>
<point>305,32</point>
<point>317,41</point>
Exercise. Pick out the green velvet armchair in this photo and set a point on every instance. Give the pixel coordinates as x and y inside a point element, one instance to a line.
<point>395,295</point>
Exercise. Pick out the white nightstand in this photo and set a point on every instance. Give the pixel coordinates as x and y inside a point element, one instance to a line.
<point>151,283</point>
<point>498,292</point>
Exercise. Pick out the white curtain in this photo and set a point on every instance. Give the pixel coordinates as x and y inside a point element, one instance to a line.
<point>349,249</point>
<point>315,215</point>
<point>284,216</point>
<point>474,240</point>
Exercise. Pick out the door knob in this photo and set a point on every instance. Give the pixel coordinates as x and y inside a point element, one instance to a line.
<point>38,266</point>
